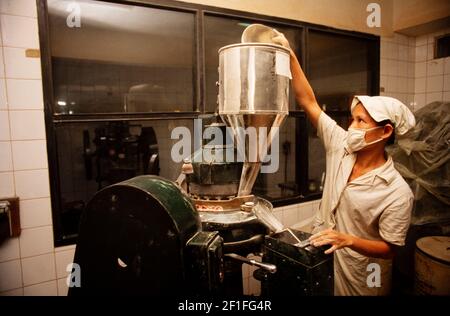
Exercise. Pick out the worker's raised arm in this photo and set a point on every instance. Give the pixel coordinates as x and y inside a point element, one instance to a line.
<point>304,94</point>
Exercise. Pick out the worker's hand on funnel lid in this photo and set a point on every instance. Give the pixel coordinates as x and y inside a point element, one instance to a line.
<point>331,237</point>
<point>280,39</point>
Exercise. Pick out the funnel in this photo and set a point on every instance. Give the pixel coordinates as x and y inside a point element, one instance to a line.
<point>253,100</point>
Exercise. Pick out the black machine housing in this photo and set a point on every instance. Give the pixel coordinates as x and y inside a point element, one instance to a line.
<point>144,236</point>
<point>301,271</point>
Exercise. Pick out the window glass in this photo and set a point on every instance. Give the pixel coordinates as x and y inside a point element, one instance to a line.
<point>114,58</point>
<point>338,68</point>
<point>93,155</point>
<point>283,182</point>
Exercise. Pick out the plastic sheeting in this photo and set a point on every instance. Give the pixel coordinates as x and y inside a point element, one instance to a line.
<point>422,157</point>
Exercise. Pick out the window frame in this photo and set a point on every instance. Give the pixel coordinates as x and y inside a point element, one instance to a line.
<point>199,86</point>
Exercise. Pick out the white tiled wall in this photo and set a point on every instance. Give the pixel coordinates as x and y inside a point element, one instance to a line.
<point>410,73</point>
<point>295,216</point>
<point>397,68</point>
<point>29,264</point>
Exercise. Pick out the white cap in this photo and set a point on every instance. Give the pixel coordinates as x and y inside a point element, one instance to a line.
<point>387,108</point>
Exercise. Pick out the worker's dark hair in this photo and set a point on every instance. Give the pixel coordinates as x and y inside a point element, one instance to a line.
<point>391,139</point>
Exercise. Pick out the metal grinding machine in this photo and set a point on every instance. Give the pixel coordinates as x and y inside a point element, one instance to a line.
<point>148,235</point>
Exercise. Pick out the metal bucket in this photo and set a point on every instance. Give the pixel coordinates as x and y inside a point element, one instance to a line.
<point>253,92</point>
<point>254,78</point>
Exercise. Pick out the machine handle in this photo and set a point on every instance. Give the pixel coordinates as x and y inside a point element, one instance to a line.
<point>266,266</point>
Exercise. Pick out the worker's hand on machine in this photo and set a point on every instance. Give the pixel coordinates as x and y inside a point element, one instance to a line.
<point>331,237</point>
<point>280,39</point>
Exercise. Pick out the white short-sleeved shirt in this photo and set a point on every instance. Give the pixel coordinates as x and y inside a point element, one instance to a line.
<point>375,206</point>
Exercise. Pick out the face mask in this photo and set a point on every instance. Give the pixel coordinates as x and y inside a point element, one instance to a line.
<point>356,138</point>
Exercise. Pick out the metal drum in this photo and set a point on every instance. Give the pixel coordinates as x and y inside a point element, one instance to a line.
<point>254,78</point>
<point>432,266</point>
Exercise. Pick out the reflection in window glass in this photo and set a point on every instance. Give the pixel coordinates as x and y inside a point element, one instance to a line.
<point>282,183</point>
<point>93,155</point>
<point>113,58</point>
<point>338,68</point>
<point>220,32</point>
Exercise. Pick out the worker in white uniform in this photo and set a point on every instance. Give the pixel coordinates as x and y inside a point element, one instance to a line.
<point>366,204</point>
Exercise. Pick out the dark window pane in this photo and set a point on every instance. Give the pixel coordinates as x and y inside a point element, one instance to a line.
<point>442,46</point>
<point>121,58</point>
<point>283,182</point>
<point>94,155</point>
<point>338,68</point>
<point>220,32</point>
